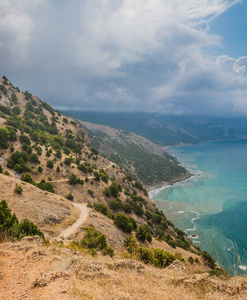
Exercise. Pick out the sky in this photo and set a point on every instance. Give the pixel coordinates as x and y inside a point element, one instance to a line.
<point>167,56</point>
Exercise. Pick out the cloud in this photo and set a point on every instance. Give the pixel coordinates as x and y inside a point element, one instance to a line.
<point>121,55</point>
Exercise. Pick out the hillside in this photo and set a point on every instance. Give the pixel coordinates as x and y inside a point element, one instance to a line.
<point>170,130</point>
<point>142,159</point>
<point>99,224</point>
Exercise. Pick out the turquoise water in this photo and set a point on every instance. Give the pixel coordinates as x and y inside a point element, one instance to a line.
<point>211,207</point>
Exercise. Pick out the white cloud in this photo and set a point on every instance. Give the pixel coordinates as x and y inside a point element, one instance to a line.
<point>122,54</point>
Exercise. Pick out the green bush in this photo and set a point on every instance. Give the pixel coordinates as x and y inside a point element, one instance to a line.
<point>138,209</point>
<point>49,164</point>
<point>143,233</point>
<point>107,192</point>
<point>46,186</point>
<point>27,178</point>
<point>25,139</point>
<point>94,239</point>
<point>157,257</point>
<point>114,189</point>
<point>148,214</point>
<point>4,138</point>
<point>26,228</point>
<point>73,179</point>
<point>102,208</point>
<point>123,222</point>
<point>70,197</point>
<point>16,110</point>
<point>115,204</point>
<point>90,192</point>
<point>18,189</point>
<point>34,158</point>
<point>209,260</point>
<point>127,208</point>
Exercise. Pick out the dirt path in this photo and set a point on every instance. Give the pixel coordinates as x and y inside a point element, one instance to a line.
<point>84,213</point>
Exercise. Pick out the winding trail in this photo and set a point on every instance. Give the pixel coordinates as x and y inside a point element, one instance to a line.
<point>84,213</point>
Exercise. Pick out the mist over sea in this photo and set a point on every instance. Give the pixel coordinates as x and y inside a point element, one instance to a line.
<point>211,207</point>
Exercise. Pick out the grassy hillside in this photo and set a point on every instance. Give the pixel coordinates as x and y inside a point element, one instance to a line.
<point>44,150</point>
<point>139,157</point>
<point>170,130</point>
<point>90,211</point>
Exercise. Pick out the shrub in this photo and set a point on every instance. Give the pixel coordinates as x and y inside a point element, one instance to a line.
<point>4,137</point>
<point>46,186</point>
<point>138,209</point>
<point>70,197</point>
<point>90,192</point>
<point>1,169</point>
<point>127,208</point>
<point>159,232</point>
<point>27,178</point>
<point>16,110</point>
<point>66,150</point>
<point>94,239</point>
<point>82,168</point>
<point>139,185</point>
<point>114,189</point>
<point>73,179</point>
<point>34,158</point>
<point>26,228</point>
<point>157,257</point>
<point>107,192</point>
<point>123,222</point>
<point>49,164</point>
<point>102,208</point>
<point>10,225</point>
<point>148,214</point>
<point>68,161</point>
<point>94,151</point>
<point>18,189</point>
<point>208,258</point>
<point>191,260</point>
<point>156,218</point>
<point>115,204</point>
<point>170,241</point>
<point>25,139</point>
<point>40,169</point>
<point>143,233</point>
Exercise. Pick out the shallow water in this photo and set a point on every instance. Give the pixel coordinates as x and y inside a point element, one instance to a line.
<point>211,207</point>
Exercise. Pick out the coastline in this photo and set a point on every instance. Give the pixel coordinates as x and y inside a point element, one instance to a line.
<point>176,179</point>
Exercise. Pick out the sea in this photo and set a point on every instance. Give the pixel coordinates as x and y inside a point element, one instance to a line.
<point>211,206</point>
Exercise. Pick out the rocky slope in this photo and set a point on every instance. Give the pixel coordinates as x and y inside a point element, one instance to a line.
<point>52,175</point>
<point>144,160</point>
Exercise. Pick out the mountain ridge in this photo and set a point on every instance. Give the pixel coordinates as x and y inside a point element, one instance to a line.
<point>47,164</point>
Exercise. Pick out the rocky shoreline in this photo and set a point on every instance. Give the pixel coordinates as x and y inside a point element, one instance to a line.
<point>176,179</point>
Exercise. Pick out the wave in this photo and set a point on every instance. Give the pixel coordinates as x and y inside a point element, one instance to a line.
<point>243,268</point>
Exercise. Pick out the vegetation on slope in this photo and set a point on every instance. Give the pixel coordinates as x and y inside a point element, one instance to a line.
<point>134,159</point>
<point>170,130</point>
<point>52,152</point>
<point>10,227</point>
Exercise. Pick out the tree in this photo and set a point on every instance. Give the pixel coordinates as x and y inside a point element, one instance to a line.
<point>123,222</point>
<point>73,179</point>
<point>143,233</point>
<point>4,137</point>
<point>25,139</point>
<point>49,164</point>
<point>115,204</point>
<point>114,189</point>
